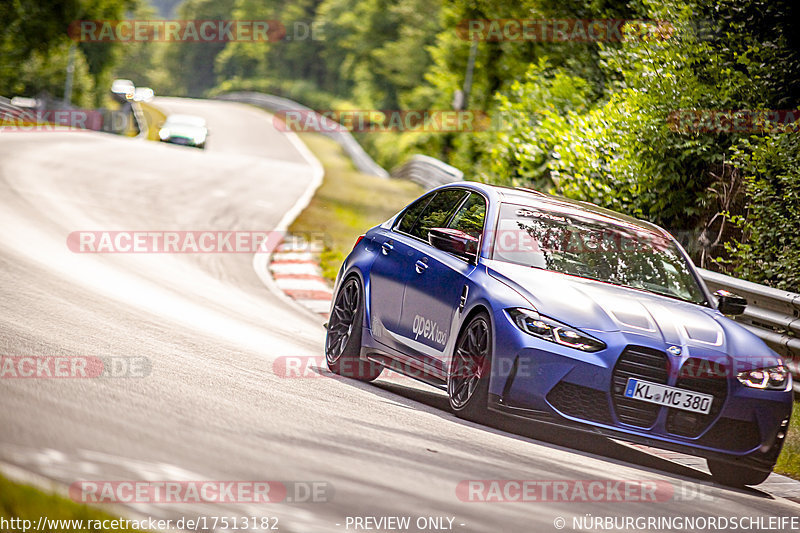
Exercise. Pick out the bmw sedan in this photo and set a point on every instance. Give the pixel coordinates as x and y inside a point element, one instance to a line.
<point>560,312</point>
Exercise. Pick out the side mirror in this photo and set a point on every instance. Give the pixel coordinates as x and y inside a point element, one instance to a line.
<point>729,303</point>
<point>455,242</point>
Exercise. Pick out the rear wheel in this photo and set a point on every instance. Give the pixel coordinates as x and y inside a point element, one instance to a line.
<point>468,382</point>
<point>343,342</point>
<point>734,475</point>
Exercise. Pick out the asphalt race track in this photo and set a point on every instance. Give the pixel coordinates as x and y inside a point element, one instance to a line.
<point>211,406</point>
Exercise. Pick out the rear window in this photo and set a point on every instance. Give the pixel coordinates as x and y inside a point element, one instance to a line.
<point>470,216</point>
<point>437,212</point>
<point>432,211</point>
<point>406,223</point>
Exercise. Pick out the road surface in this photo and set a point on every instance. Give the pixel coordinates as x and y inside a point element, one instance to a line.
<point>212,407</point>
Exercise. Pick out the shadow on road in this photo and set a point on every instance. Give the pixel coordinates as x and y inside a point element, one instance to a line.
<point>436,402</point>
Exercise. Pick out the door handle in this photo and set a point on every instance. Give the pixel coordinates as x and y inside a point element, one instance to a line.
<point>421,265</point>
<point>387,247</point>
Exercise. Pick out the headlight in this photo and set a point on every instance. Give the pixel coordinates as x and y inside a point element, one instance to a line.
<point>164,134</point>
<point>548,329</point>
<point>772,378</point>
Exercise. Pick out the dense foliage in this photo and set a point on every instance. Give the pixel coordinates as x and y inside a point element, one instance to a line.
<point>768,251</point>
<point>35,48</point>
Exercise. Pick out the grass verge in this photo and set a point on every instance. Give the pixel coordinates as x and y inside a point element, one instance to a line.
<point>789,460</point>
<point>154,118</point>
<point>28,503</point>
<point>347,203</point>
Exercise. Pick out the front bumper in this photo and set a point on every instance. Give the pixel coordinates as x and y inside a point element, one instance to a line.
<point>539,380</point>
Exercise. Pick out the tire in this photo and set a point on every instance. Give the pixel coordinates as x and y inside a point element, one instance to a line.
<point>733,475</point>
<point>468,380</point>
<point>343,341</point>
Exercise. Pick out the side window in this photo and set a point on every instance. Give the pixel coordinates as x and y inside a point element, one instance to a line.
<point>411,215</point>
<point>437,212</point>
<point>470,217</point>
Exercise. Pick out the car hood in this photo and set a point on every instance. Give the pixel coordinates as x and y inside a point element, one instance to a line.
<point>602,307</point>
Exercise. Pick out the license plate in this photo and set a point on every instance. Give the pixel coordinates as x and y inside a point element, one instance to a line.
<point>646,391</point>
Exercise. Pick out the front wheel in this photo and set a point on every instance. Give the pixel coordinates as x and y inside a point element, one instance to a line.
<point>733,475</point>
<point>343,342</point>
<point>468,382</point>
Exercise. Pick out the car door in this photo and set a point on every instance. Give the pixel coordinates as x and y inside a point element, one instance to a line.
<point>438,281</point>
<point>389,273</point>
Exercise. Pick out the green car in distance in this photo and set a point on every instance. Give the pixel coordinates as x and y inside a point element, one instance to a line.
<point>186,130</point>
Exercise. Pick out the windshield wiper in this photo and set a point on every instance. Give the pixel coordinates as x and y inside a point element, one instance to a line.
<point>618,283</point>
<point>667,294</point>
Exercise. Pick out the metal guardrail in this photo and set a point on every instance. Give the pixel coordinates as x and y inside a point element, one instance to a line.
<point>360,158</point>
<point>9,110</point>
<point>35,108</point>
<point>771,314</point>
<point>428,172</point>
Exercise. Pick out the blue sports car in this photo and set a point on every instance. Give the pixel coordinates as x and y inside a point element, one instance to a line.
<point>561,312</point>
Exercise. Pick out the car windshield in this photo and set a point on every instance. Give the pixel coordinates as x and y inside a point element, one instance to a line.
<point>594,247</point>
<point>185,120</point>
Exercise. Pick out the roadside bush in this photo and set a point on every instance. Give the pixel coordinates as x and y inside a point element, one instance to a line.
<point>768,250</point>
<point>529,121</point>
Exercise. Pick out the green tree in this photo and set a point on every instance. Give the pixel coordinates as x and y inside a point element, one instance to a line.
<point>34,39</point>
<point>622,150</point>
<point>189,66</point>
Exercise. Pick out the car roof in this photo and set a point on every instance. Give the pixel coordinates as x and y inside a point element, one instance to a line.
<point>539,200</point>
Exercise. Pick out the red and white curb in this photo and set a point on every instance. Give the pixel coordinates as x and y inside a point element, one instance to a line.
<point>295,271</point>
<point>263,261</point>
